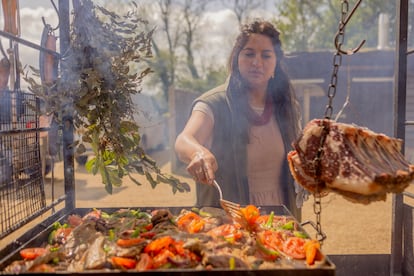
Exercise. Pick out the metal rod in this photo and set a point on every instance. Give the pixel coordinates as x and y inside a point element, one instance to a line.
<point>28,43</point>
<point>400,93</point>
<point>411,195</point>
<point>342,30</point>
<point>351,13</point>
<point>67,128</point>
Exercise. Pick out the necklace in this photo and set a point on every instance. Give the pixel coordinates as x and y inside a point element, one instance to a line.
<point>259,120</point>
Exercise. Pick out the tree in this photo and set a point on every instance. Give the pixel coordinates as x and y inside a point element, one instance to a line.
<point>213,77</point>
<point>308,25</point>
<point>192,12</point>
<point>242,8</point>
<point>175,45</point>
<point>164,62</point>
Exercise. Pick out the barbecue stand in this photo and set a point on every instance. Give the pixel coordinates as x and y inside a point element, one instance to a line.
<point>400,261</point>
<point>38,235</point>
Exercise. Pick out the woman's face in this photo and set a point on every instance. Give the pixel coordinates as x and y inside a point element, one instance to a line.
<point>257,61</point>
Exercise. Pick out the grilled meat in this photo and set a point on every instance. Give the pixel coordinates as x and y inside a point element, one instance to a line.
<point>359,164</point>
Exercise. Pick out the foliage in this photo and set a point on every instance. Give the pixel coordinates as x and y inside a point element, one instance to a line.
<point>212,79</point>
<point>95,87</point>
<point>306,24</point>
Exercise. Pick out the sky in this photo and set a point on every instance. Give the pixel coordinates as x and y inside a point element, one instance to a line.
<point>219,29</point>
<point>31,26</point>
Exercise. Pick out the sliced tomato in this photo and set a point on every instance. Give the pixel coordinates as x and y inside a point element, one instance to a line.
<point>126,263</point>
<point>129,242</point>
<point>250,213</point>
<point>271,239</point>
<point>295,247</point>
<point>266,252</point>
<point>32,252</point>
<point>145,262</point>
<point>229,232</point>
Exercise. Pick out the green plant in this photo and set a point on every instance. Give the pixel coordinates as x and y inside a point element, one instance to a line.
<point>101,70</point>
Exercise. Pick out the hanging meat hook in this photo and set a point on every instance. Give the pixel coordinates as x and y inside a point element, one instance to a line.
<point>339,35</point>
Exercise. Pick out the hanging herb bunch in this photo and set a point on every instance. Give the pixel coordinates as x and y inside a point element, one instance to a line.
<point>101,71</point>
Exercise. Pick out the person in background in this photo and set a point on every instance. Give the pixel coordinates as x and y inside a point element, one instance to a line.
<point>239,133</point>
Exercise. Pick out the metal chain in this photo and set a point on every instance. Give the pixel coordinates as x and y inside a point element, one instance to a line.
<point>337,61</point>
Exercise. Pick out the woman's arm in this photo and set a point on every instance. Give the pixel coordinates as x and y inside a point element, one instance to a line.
<point>201,163</point>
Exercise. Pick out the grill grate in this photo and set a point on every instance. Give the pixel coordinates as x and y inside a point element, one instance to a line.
<point>22,193</point>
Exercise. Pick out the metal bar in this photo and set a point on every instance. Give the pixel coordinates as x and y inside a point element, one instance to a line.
<point>28,43</point>
<point>17,131</point>
<point>373,79</point>
<point>396,260</point>
<point>31,217</point>
<point>67,128</point>
<point>411,195</point>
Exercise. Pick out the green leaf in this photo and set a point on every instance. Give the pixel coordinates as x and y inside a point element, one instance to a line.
<point>91,166</point>
<point>134,180</point>
<point>103,68</point>
<point>151,179</point>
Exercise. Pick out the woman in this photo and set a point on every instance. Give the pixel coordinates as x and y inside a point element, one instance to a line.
<point>239,133</point>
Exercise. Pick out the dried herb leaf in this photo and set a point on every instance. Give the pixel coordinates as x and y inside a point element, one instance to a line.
<point>99,74</point>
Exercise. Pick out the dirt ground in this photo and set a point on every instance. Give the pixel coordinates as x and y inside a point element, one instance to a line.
<point>350,228</point>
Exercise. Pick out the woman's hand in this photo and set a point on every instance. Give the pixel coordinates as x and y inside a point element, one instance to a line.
<point>203,166</point>
<point>190,147</point>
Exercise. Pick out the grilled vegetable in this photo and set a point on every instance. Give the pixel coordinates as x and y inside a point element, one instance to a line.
<point>312,248</point>
<point>250,214</point>
<point>32,252</point>
<point>126,263</point>
<point>129,242</point>
<point>145,262</point>
<point>121,239</point>
<point>191,222</point>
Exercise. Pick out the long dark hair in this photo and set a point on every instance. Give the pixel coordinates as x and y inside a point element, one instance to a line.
<point>279,89</point>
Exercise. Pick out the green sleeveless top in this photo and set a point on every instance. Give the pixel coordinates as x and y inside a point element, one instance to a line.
<point>229,146</point>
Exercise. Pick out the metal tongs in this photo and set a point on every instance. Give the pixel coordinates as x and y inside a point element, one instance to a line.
<point>231,208</point>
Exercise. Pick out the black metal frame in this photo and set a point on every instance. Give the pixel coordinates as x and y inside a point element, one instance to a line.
<point>21,132</point>
<point>67,129</point>
<point>400,123</point>
<point>400,93</point>
<point>36,236</point>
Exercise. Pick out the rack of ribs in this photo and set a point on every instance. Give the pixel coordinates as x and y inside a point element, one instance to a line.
<point>361,165</point>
